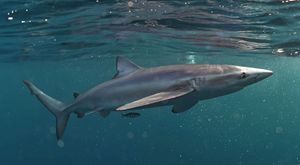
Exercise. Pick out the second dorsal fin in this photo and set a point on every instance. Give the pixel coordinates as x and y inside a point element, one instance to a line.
<point>75,95</point>
<point>125,67</point>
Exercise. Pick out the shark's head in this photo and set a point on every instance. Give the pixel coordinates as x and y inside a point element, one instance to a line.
<point>248,76</point>
<point>226,79</point>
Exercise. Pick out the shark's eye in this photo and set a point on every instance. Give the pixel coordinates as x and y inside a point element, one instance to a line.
<point>243,75</point>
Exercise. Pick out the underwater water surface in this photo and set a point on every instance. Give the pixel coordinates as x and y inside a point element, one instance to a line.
<point>66,46</point>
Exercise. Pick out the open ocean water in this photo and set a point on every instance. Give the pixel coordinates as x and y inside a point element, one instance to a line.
<point>70,45</point>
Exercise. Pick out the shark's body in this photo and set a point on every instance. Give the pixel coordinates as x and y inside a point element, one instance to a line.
<point>144,82</point>
<point>133,87</point>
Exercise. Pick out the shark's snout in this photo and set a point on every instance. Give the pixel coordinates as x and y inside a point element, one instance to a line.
<point>255,74</point>
<point>266,73</point>
<point>262,73</point>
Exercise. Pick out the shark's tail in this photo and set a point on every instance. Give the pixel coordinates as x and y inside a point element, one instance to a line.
<point>57,108</point>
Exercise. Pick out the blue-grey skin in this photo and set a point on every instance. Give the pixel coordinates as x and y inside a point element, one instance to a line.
<point>208,80</point>
<point>181,86</point>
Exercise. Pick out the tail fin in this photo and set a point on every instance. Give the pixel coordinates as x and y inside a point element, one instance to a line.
<point>54,106</point>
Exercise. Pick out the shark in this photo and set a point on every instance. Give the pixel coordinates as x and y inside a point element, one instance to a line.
<point>134,87</point>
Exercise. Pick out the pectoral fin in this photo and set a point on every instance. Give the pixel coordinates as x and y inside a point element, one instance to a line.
<point>156,98</point>
<point>184,105</point>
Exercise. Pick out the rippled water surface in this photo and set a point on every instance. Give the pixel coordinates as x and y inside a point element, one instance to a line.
<point>70,45</point>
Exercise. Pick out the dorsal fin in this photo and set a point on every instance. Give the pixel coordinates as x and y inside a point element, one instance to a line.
<point>125,67</point>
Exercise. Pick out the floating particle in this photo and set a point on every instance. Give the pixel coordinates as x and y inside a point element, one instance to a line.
<point>130,4</point>
<point>52,130</point>
<point>46,20</point>
<point>22,21</point>
<point>191,58</point>
<point>10,18</point>
<point>279,130</point>
<point>236,116</point>
<point>145,134</point>
<point>130,135</point>
<point>60,143</point>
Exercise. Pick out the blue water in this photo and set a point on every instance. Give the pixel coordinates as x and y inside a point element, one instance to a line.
<point>65,46</point>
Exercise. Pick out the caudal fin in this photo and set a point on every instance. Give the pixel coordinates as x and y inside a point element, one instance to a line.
<point>57,108</point>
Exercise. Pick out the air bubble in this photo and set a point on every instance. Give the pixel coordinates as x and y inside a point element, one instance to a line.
<point>130,135</point>
<point>145,134</point>
<point>130,4</point>
<point>52,130</point>
<point>279,130</point>
<point>280,50</point>
<point>60,143</point>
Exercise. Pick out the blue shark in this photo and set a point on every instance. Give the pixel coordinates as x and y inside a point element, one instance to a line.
<point>134,87</point>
